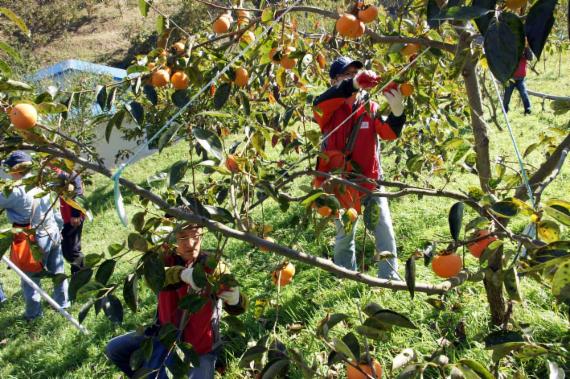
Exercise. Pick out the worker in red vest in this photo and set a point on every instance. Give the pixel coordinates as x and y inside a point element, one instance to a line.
<point>73,219</point>
<point>199,329</point>
<point>352,129</point>
<point>518,82</point>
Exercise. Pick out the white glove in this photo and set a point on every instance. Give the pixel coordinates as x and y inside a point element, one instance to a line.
<point>396,101</point>
<point>186,277</point>
<point>231,296</point>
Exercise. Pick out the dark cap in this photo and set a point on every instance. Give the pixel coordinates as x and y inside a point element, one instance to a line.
<point>341,64</point>
<point>17,157</point>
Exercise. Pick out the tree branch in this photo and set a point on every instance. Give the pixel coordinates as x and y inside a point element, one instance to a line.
<point>547,171</point>
<point>211,225</point>
<point>375,37</point>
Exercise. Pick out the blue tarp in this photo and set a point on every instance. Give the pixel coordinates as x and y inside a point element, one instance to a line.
<point>76,65</point>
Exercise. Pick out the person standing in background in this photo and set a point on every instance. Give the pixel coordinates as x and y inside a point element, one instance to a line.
<point>518,82</point>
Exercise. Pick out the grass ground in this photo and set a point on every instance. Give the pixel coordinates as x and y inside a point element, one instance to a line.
<point>51,348</point>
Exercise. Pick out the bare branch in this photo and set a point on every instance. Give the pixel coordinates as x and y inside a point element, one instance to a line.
<point>211,225</point>
<point>548,171</point>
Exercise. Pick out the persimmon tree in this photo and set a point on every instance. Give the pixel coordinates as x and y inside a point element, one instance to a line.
<point>241,99</point>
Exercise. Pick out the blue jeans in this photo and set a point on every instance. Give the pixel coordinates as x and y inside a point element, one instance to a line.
<point>520,85</point>
<point>345,245</point>
<point>2,296</point>
<point>120,348</point>
<point>50,245</point>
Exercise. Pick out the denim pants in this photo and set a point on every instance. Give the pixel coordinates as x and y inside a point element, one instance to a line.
<point>520,85</point>
<point>50,245</point>
<point>345,245</point>
<point>2,296</point>
<point>120,348</point>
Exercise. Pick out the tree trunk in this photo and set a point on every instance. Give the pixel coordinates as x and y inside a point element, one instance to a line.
<point>478,124</point>
<point>494,287</point>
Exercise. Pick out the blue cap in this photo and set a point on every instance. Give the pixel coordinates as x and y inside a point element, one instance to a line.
<point>341,64</point>
<point>17,157</point>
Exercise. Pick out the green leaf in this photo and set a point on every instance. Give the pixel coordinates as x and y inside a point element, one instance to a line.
<point>138,221</point>
<point>160,24</point>
<point>5,68</point>
<point>209,141</point>
<point>461,13</point>
<point>432,12</point>
<point>313,195</point>
<point>101,97</point>
<point>150,93</point>
<point>504,45</point>
<point>176,172</point>
<point>252,354</point>
<point>274,368</point>
<point>10,51</point>
<point>113,309</point>
<point>370,332</point>
<point>538,24</point>
<point>505,209</point>
<point>50,108</point>
<point>329,322</point>
<point>78,280</point>
<point>180,98</point>
<point>411,275</point>
<point>153,270</point>
<point>352,343</point>
<point>478,368</point>
<point>391,318</point>
<point>559,210</point>
<point>199,276</point>
<point>371,308</point>
<point>192,303</point>
<point>287,116</point>
<point>13,85</point>
<point>341,347</point>
<point>561,283</point>
<point>115,248</point>
<point>215,114</point>
<point>130,292</point>
<point>455,220</point>
<point>105,271</point>
<point>16,20</point>
<point>143,7</point>
<point>483,21</point>
<point>222,95</point>
<point>219,214</point>
<point>137,242</point>
<point>84,311</point>
<point>371,215</point>
<point>116,120</point>
<point>511,282</point>
<point>500,337</point>
<point>267,15</point>
<point>136,111</point>
<point>111,98</point>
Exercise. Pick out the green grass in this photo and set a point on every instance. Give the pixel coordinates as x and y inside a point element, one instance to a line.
<point>51,348</point>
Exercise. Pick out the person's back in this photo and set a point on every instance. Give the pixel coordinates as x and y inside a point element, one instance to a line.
<point>24,209</point>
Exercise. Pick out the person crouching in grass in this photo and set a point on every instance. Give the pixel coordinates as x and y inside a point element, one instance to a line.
<point>200,329</point>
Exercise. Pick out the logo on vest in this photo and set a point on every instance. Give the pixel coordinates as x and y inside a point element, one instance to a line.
<point>364,125</point>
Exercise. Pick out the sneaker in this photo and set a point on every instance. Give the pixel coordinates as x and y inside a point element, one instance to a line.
<point>527,111</point>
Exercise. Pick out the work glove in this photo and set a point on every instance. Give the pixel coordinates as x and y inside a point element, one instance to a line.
<point>396,101</point>
<point>365,79</point>
<point>230,296</point>
<point>186,277</point>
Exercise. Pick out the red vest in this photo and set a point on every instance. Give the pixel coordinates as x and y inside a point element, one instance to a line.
<point>521,69</point>
<point>202,328</point>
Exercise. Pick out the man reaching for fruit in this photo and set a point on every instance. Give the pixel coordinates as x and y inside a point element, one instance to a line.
<point>352,129</point>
